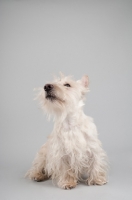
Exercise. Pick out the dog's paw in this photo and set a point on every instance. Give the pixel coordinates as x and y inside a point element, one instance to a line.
<point>68,186</point>
<point>37,176</point>
<point>96,182</point>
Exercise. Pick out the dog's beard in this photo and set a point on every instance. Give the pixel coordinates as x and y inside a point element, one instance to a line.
<point>51,96</point>
<point>54,103</point>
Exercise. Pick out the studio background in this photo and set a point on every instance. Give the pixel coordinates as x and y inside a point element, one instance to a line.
<point>40,38</point>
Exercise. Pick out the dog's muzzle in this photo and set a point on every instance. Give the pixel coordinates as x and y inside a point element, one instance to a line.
<point>49,92</point>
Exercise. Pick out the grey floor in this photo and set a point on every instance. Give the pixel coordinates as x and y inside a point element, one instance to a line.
<point>39,38</point>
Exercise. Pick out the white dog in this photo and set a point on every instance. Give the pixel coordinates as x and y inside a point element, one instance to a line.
<point>73,149</point>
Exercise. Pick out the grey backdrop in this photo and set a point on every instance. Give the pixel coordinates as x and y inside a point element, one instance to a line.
<point>40,38</point>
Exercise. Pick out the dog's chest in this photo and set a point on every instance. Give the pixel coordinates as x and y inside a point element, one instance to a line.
<point>68,147</point>
<point>68,139</point>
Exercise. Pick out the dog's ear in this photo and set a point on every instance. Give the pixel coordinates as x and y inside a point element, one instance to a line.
<point>84,85</point>
<point>85,81</point>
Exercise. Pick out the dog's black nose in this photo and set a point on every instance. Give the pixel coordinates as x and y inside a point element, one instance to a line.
<point>48,87</point>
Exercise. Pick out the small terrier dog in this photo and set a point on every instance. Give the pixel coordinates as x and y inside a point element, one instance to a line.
<point>73,152</point>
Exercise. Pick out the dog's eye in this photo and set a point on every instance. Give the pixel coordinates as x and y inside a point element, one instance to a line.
<point>67,85</point>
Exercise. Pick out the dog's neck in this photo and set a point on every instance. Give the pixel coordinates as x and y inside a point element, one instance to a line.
<point>70,119</point>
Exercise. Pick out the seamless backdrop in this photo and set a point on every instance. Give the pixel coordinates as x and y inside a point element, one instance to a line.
<point>40,38</point>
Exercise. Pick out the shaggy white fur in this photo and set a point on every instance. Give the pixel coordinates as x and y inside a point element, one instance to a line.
<point>73,151</point>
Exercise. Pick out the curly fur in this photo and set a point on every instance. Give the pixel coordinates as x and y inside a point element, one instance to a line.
<point>73,151</point>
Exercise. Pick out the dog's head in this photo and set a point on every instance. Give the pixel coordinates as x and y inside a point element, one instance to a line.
<point>64,94</point>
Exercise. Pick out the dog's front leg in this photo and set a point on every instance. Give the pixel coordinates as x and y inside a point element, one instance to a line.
<point>37,172</point>
<point>68,181</point>
<point>98,172</point>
